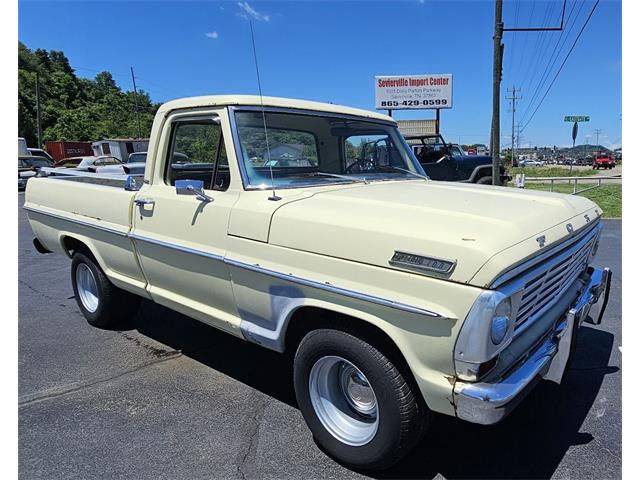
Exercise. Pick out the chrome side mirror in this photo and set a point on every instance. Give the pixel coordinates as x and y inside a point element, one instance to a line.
<point>192,187</point>
<point>131,185</point>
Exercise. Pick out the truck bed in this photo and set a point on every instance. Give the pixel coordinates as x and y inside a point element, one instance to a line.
<point>96,210</point>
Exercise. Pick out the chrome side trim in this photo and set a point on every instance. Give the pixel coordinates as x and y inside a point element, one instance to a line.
<point>79,222</point>
<point>552,250</point>
<point>173,246</point>
<point>333,289</point>
<point>256,268</point>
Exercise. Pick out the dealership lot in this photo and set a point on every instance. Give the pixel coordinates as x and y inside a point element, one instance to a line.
<point>169,397</point>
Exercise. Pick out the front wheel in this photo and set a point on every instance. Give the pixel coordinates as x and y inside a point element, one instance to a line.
<point>359,406</point>
<point>103,304</point>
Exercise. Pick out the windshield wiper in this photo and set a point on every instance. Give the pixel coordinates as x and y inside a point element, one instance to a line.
<point>398,169</point>
<point>335,175</point>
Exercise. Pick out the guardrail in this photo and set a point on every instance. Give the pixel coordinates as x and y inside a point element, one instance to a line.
<point>521,180</point>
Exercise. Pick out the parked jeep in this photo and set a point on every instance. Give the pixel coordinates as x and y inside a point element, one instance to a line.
<point>441,161</point>
<point>603,161</point>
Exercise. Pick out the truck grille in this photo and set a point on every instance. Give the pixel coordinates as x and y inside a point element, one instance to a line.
<point>544,283</point>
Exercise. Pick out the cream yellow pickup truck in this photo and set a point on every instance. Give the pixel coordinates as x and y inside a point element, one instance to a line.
<point>311,229</point>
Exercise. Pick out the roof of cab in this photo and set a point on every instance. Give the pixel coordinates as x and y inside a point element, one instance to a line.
<point>254,100</point>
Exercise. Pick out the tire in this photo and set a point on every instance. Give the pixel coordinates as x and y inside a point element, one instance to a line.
<point>384,432</point>
<point>103,304</point>
<point>485,181</point>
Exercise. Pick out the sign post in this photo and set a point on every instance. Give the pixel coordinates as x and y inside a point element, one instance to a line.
<point>575,119</point>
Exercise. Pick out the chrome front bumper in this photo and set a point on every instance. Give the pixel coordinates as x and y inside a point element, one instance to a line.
<point>488,403</point>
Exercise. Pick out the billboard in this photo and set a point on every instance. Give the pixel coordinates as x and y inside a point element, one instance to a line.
<point>404,92</point>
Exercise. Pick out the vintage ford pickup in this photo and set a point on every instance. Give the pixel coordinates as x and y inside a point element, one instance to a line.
<point>311,229</point>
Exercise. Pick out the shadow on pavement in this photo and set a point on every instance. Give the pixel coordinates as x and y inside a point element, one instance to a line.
<point>530,443</point>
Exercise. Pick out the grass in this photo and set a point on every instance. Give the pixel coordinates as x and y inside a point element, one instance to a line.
<point>607,197</point>
<point>552,172</point>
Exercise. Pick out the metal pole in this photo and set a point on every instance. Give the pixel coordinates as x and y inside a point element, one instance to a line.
<point>513,99</point>
<point>38,122</point>
<point>135,92</point>
<point>497,77</point>
<point>437,121</point>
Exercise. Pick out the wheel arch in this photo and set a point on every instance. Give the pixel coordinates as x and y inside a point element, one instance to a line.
<point>306,318</point>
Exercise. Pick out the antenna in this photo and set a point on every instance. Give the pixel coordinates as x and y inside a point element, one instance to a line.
<point>273,196</point>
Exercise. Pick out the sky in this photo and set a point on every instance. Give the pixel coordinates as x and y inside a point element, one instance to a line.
<point>331,51</point>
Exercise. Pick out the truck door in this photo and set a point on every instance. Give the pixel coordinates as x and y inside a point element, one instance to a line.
<point>181,238</point>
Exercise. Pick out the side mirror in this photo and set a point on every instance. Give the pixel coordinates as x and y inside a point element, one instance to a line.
<point>192,187</point>
<point>130,184</point>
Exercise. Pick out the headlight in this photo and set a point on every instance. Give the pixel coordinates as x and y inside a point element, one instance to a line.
<point>487,331</point>
<point>501,321</point>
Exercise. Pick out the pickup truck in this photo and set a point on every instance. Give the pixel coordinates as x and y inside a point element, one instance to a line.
<point>446,162</point>
<point>395,296</point>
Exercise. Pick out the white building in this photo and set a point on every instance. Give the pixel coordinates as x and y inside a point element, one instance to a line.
<point>120,148</point>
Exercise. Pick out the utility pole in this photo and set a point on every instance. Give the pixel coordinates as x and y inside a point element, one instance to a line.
<point>38,122</point>
<point>597,132</point>
<point>498,50</point>
<point>513,98</point>
<point>135,91</point>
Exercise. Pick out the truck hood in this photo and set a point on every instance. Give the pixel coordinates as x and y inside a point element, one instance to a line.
<point>465,223</point>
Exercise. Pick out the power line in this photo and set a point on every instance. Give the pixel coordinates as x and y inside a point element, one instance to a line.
<point>541,38</point>
<point>563,62</point>
<point>553,58</point>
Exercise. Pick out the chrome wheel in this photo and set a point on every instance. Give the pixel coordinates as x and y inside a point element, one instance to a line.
<point>343,400</point>
<point>87,287</point>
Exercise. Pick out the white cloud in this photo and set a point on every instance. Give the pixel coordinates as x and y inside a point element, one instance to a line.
<point>249,12</point>
<point>213,35</point>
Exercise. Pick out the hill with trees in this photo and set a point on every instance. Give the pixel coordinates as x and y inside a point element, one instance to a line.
<point>74,108</point>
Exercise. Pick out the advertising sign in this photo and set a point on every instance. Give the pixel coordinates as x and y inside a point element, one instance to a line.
<point>405,92</point>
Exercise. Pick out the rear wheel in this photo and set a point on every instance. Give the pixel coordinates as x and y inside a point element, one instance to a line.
<point>103,304</point>
<point>485,180</point>
<point>359,406</point>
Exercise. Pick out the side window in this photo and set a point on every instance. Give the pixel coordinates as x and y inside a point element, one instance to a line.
<point>197,153</point>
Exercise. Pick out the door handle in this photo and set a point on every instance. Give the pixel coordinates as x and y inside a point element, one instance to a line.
<point>144,201</point>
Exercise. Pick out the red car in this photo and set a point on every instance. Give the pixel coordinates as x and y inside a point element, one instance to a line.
<point>603,161</point>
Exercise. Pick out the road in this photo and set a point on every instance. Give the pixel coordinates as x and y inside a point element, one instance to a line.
<point>171,398</point>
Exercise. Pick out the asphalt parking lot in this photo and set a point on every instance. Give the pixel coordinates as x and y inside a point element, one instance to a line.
<point>172,398</point>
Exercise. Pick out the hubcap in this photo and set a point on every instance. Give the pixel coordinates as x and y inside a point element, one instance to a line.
<point>343,400</point>
<point>87,287</point>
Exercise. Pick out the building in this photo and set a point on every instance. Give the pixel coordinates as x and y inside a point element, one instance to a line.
<point>120,148</point>
<point>417,127</point>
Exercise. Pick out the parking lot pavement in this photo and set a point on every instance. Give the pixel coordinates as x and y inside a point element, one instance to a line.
<point>172,398</point>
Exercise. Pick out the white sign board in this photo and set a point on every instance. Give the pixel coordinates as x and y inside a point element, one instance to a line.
<point>401,92</point>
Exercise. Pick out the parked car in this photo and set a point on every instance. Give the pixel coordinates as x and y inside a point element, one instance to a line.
<point>530,163</point>
<point>28,166</point>
<point>41,153</point>
<point>603,161</point>
<point>442,161</point>
<point>101,164</point>
<point>397,296</point>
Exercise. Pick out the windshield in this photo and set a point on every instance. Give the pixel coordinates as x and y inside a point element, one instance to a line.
<point>140,157</point>
<point>316,149</point>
